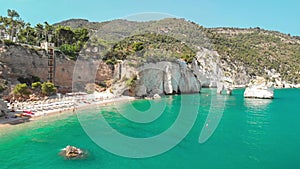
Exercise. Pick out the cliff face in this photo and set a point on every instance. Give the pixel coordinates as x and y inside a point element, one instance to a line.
<point>18,62</point>
<point>156,78</point>
<point>166,78</point>
<point>26,63</point>
<point>22,64</point>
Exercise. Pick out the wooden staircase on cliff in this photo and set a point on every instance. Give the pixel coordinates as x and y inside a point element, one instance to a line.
<point>51,63</point>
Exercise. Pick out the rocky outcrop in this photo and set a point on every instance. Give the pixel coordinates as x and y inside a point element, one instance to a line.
<point>221,89</point>
<point>206,67</point>
<point>259,88</point>
<point>259,92</point>
<point>166,78</point>
<point>72,152</point>
<point>3,107</point>
<point>156,96</point>
<point>214,72</point>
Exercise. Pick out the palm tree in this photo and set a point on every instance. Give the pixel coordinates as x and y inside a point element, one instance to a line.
<point>48,32</point>
<point>28,35</point>
<point>6,23</point>
<point>39,28</point>
<point>20,24</point>
<point>27,27</point>
<point>12,14</point>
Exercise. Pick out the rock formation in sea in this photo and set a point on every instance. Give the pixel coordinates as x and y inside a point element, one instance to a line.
<point>259,88</point>
<point>72,152</point>
<point>156,96</point>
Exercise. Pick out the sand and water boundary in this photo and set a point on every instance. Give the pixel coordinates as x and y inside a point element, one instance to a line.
<point>6,122</point>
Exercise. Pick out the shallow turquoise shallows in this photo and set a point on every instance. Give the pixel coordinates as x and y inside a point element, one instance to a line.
<point>251,134</point>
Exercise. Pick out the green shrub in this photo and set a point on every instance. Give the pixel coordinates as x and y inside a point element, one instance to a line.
<point>137,46</point>
<point>48,88</point>
<point>21,90</point>
<point>131,81</point>
<point>8,42</point>
<point>110,61</point>
<point>36,86</point>
<point>70,50</point>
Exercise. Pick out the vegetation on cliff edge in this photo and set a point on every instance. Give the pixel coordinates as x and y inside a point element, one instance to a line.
<point>150,47</point>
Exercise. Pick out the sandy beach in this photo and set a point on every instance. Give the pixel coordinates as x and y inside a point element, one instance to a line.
<point>73,105</point>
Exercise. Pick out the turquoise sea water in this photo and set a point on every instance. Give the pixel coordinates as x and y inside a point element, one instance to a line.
<point>251,134</point>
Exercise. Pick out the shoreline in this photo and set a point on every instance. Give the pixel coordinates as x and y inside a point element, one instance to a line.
<point>81,103</point>
<point>79,106</point>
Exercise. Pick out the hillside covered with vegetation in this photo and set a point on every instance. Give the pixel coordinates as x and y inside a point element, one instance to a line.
<point>259,50</point>
<point>149,47</point>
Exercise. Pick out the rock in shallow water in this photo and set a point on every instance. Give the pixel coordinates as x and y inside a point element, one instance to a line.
<point>259,92</point>
<point>156,96</point>
<point>72,152</point>
<point>259,88</point>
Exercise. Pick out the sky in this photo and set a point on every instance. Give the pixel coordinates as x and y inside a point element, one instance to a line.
<point>278,15</point>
